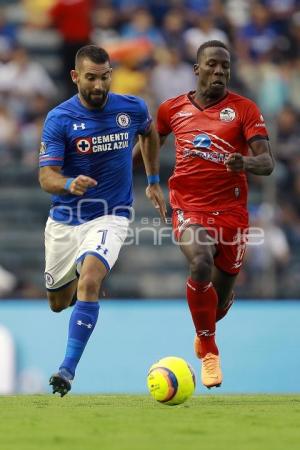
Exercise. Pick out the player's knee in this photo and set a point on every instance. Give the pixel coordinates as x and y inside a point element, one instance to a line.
<point>224,299</point>
<point>55,307</point>
<point>201,266</point>
<point>55,303</point>
<point>89,284</point>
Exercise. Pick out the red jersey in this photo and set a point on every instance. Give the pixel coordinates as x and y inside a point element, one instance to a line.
<point>204,138</point>
<point>72,19</point>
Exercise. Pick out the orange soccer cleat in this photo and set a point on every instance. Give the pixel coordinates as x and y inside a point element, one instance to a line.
<point>211,374</point>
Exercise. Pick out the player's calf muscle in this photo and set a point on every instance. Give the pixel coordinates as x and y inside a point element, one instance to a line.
<point>58,302</point>
<point>61,299</point>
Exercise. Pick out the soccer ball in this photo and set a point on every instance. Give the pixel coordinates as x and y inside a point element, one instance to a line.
<point>171,380</point>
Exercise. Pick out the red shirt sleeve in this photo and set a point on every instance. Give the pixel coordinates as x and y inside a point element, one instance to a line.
<point>163,119</point>
<point>253,122</point>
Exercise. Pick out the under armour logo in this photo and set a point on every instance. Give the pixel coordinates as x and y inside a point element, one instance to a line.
<point>103,249</point>
<point>80,126</point>
<point>80,323</point>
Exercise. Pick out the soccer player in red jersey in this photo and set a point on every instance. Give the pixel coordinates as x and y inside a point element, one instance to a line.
<point>213,129</point>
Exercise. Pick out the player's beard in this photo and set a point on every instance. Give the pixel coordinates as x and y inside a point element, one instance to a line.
<point>95,99</point>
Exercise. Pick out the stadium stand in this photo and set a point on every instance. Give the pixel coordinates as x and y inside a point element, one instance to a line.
<point>149,41</point>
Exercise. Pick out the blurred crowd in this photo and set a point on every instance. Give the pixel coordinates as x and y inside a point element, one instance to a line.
<point>153,45</point>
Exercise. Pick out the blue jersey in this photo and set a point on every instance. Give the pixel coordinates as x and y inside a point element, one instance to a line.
<point>98,144</point>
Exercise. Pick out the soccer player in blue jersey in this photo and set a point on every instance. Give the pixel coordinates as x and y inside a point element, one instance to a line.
<point>86,164</point>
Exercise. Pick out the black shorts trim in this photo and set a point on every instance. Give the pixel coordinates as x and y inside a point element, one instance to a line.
<point>61,287</point>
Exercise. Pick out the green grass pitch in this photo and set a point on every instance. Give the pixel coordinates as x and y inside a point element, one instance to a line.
<point>125,422</point>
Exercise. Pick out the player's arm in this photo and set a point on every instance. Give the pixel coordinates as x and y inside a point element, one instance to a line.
<point>149,148</point>
<point>261,163</point>
<point>53,181</point>
<point>137,157</point>
<point>254,129</point>
<point>163,128</point>
<point>137,154</point>
<point>162,139</point>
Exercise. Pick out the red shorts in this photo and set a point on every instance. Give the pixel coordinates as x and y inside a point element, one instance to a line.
<point>227,229</point>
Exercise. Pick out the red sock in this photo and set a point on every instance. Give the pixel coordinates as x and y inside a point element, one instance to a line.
<point>202,299</point>
<point>221,312</point>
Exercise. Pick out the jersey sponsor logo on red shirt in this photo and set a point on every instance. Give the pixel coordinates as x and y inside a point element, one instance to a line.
<point>184,114</point>
<point>214,146</point>
<point>202,141</point>
<point>261,123</point>
<point>214,157</point>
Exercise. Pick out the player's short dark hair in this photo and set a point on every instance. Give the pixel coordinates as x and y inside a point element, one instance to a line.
<point>96,54</point>
<point>210,44</point>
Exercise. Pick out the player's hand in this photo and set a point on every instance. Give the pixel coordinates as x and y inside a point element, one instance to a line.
<point>80,184</point>
<point>155,194</point>
<point>235,162</point>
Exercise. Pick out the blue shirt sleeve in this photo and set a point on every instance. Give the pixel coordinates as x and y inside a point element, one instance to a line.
<point>52,148</point>
<point>146,118</point>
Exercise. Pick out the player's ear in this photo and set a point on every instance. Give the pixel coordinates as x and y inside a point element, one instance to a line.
<point>196,69</point>
<point>74,76</point>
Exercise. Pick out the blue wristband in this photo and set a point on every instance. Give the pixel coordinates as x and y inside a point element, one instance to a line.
<point>68,184</point>
<point>153,179</point>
